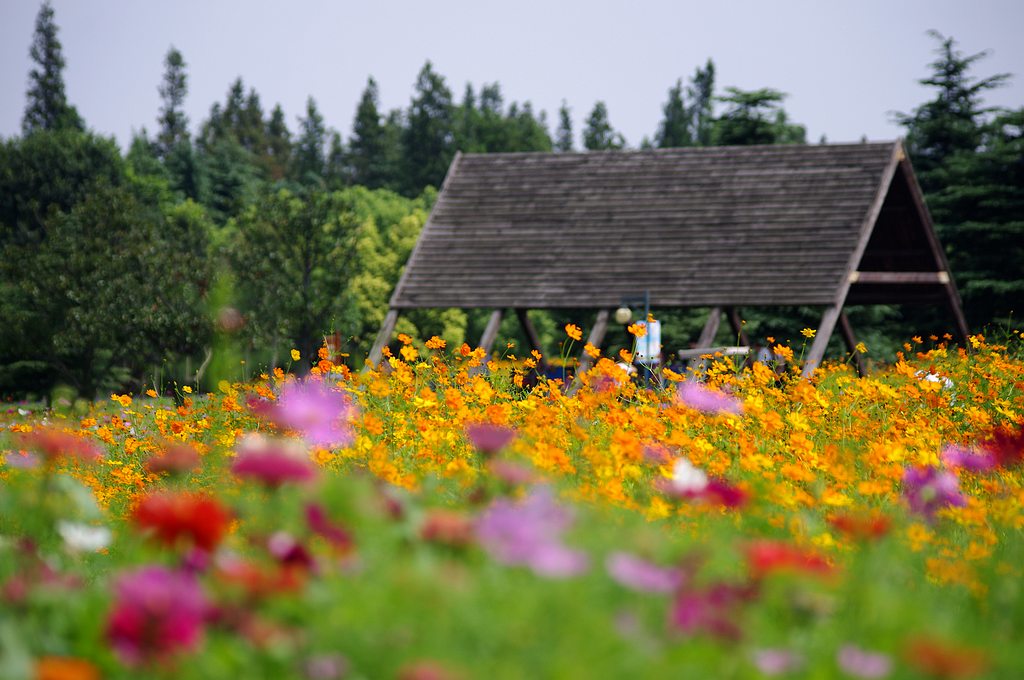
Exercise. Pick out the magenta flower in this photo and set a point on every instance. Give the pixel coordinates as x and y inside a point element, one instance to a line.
<point>529,533</point>
<point>321,414</point>
<point>335,534</point>
<point>157,612</point>
<point>859,663</point>
<point>272,462</point>
<point>713,610</point>
<point>928,490</point>
<point>698,397</point>
<point>489,438</point>
<point>637,574</point>
<point>954,457</point>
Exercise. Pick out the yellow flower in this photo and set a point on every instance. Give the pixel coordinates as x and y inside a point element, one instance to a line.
<point>186,389</point>
<point>862,348</point>
<point>591,351</point>
<point>573,331</point>
<point>295,355</point>
<point>409,353</point>
<point>123,399</point>
<point>808,332</point>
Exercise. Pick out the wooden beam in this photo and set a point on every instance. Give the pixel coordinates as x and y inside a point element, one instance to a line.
<point>900,277</point>
<point>736,323</point>
<point>383,336</point>
<point>595,338</point>
<point>531,335</point>
<point>707,336</point>
<point>821,338</point>
<point>491,330</point>
<point>851,342</point>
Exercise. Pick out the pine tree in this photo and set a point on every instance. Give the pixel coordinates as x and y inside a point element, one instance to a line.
<point>337,172</point>
<point>428,138</point>
<point>47,107</point>
<point>277,153</point>
<point>366,146</point>
<point>467,122</point>
<point>756,117</point>
<point>950,122</point>
<point>598,134</point>
<point>308,160</point>
<point>563,138</point>
<point>701,93</point>
<point>173,89</point>
<point>674,130</point>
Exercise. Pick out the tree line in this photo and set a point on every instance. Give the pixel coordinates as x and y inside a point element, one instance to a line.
<point>118,267</point>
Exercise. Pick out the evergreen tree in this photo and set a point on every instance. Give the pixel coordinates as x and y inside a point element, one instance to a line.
<point>467,122</point>
<point>701,93</point>
<point>951,122</point>
<point>428,138</point>
<point>173,89</point>
<point>563,138</point>
<point>598,134</point>
<point>337,173</point>
<point>527,132</point>
<point>47,107</point>
<point>308,160</point>
<point>250,131</point>
<point>674,130</point>
<point>756,117</point>
<point>277,152</point>
<point>366,146</point>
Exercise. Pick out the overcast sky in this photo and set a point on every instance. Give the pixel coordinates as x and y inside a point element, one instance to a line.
<point>845,66</point>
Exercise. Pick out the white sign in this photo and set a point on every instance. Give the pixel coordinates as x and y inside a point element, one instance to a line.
<point>652,340</point>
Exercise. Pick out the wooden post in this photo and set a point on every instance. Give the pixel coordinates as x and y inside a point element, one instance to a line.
<point>595,338</point>
<point>851,342</point>
<point>531,335</point>
<point>386,329</point>
<point>707,336</point>
<point>821,338</point>
<point>491,330</point>
<point>737,326</point>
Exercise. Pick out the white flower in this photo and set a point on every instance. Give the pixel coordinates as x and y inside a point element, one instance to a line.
<point>688,479</point>
<point>84,537</point>
<point>935,377</point>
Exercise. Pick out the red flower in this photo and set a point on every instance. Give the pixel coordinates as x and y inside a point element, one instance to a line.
<point>1006,446</point>
<point>767,556</point>
<point>861,527</point>
<point>945,660</point>
<point>54,444</point>
<point>174,516</point>
<point>273,462</point>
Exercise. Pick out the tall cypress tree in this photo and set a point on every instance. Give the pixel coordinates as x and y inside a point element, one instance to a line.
<point>47,107</point>
<point>599,135</point>
<point>563,137</point>
<point>309,161</point>
<point>674,130</point>
<point>428,138</point>
<point>366,146</point>
<point>701,93</point>
<point>173,89</point>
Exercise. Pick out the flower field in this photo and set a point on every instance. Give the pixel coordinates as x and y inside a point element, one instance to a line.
<point>446,517</point>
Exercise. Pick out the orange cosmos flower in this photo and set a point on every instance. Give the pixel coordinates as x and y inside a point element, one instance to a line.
<point>573,331</point>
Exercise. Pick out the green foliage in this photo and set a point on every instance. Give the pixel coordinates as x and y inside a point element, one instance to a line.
<point>756,117</point>
<point>563,137</point>
<point>173,89</point>
<point>675,126</point>
<point>701,93</point>
<point>428,143</point>
<point>48,107</point>
<point>309,160</point>
<point>598,135</point>
<point>47,171</point>
<point>372,153</point>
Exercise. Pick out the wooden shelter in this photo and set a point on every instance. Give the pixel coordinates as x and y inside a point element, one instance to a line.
<point>719,227</point>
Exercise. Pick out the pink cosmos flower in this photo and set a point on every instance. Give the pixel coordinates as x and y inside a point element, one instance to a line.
<point>859,663</point>
<point>157,613</point>
<point>713,610</point>
<point>701,398</point>
<point>321,414</point>
<point>928,490</point>
<point>772,662</point>
<point>529,533</point>
<point>967,459</point>
<point>319,523</point>
<point>489,438</point>
<point>272,462</point>
<point>637,574</point>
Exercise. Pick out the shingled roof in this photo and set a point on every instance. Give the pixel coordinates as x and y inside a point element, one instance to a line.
<point>696,227</point>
